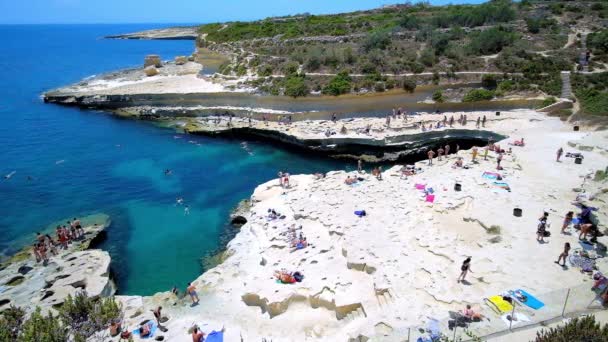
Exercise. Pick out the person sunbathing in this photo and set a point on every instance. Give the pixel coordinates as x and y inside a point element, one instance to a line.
<point>471,314</point>
<point>285,277</point>
<point>144,330</point>
<point>458,163</point>
<point>350,181</point>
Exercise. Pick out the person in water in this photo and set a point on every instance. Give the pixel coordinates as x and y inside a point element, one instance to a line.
<point>564,254</point>
<point>464,269</point>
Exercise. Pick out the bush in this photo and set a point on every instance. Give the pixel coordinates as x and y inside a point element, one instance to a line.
<point>489,81</point>
<point>478,95</point>
<point>427,57</point>
<point>593,101</point>
<point>438,96</point>
<point>340,84</point>
<point>84,316</point>
<point>598,41</point>
<point>377,40</point>
<point>436,78</point>
<point>491,41</point>
<point>409,85</point>
<point>548,101</point>
<point>295,86</point>
<point>379,87</point>
<point>506,86</point>
<point>10,323</point>
<point>290,68</point>
<point>409,22</point>
<point>577,329</point>
<point>43,329</point>
<point>265,70</point>
<point>241,70</point>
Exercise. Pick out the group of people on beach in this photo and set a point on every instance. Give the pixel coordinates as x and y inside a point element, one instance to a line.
<point>65,234</point>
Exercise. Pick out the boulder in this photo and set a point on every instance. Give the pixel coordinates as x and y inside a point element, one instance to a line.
<point>151,71</point>
<point>181,60</point>
<point>191,58</point>
<point>153,60</point>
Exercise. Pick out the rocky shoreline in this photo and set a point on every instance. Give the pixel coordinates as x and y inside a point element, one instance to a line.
<point>170,33</point>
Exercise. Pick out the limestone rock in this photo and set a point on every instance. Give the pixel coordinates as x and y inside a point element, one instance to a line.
<point>181,60</point>
<point>151,71</point>
<point>153,60</point>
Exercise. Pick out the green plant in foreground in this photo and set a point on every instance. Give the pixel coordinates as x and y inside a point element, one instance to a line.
<point>578,329</point>
<point>478,95</point>
<point>39,328</point>
<point>84,316</point>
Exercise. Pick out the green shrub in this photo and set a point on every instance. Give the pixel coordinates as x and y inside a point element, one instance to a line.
<point>295,86</point>
<point>409,84</point>
<point>478,95</point>
<point>339,84</point>
<point>409,22</point>
<point>10,323</point>
<point>379,87</point>
<point>241,70</point>
<point>290,68</point>
<point>265,70</point>
<point>39,328</point>
<point>593,101</point>
<point>377,40</point>
<point>85,316</point>
<point>598,41</point>
<point>506,86</point>
<point>438,96</point>
<point>427,57</point>
<point>577,329</point>
<point>491,41</point>
<point>548,101</point>
<point>436,78</point>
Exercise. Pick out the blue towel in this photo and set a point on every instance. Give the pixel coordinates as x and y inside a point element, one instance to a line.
<point>215,336</point>
<point>360,213</point>
<point>153,328</point>
<point>531,301</point>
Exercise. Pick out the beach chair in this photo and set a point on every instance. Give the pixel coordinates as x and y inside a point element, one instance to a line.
<point>498,304</point>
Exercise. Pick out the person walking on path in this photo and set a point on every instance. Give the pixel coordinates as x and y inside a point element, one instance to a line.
<point>191,290</point>
<point>564,254</point>
<point>464,269</point>
<point>560,151</point>
<point>431,154</point>
<point>542,228</point>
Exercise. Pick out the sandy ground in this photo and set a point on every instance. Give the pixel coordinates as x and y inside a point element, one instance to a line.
<point>397,267</point>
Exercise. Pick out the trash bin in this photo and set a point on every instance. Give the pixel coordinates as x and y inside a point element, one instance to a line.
<point>578,160</point>
<point>457,187</point>
<point>576,128</point>
<point>517,212</point>
<point>497,113</point>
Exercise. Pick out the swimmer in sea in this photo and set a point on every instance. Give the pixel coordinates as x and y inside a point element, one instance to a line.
<point>168,172</point>
<point>179,201</point>
<point>187,210</point>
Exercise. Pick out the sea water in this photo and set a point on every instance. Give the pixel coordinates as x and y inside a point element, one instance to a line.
<point>69,162</point>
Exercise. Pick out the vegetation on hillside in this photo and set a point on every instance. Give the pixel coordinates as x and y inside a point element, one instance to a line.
<point>384,45</point>
<point>592,93</point>
<point>78,319</point>
<point>577,329</point>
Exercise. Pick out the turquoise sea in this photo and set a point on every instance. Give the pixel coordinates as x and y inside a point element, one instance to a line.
<point>82,162</point>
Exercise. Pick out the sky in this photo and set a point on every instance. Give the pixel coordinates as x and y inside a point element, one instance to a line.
<point>176,11</point>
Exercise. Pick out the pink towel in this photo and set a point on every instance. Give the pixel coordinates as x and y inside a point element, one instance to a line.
<point>430,198</point>
<point>420,186</point>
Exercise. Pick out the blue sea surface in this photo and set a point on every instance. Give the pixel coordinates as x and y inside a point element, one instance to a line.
<point>83,162</point>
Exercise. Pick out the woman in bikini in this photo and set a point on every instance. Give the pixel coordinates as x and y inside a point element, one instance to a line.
<point>567,221</point>
<point>464,269</point>
<point>564,254</point>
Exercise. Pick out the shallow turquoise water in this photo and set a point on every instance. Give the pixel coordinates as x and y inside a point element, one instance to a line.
<point>84,162</point>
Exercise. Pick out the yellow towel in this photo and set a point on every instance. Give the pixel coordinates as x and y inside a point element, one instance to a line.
<point>500,304</point>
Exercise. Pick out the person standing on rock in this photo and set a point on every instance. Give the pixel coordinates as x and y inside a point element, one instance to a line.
<point>359,166</point>
<point>457,148</point>
<point>464,269</point>
<point>564,254</point>
<point>157,314</point>
<point>498,160</point>
<point>478,122</point>
<point>483,121</point>
<point>560,151</point>
<point>280,174</point>
<point>191,290</point>
<point>439,153</point>
<point>447,151</point>
<point>485,152</point>
<point>452,121</point>
<point>431,154</point>
<point>542,228</point>
<point>474,153</point>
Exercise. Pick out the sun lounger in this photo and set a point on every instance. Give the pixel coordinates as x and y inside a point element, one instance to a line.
<point>498,304</point>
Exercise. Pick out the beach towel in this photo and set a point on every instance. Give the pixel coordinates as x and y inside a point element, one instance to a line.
<point>519,318</point>
<point>420,186</point>
<point>497,303</point>
<point>584,263</point>
<point>490,175</point>
<point>429,190</point>
<point>215,336</point>
<point>502,185</point>
<point>430,198</point>
<point>153,327</point>
<point>528,300</point>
